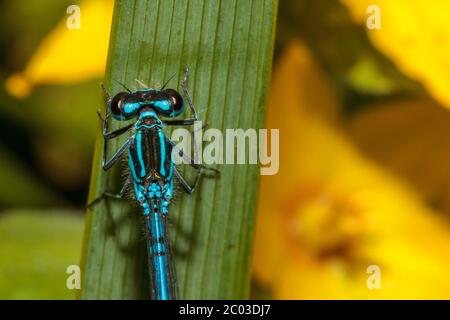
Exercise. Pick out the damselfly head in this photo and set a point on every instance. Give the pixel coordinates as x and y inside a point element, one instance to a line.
<point>167,103</point>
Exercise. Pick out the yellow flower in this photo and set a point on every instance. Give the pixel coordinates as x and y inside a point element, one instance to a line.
<point>66,55</point>
<point>330,213</point>
<point>415,34</point>
<point>410,138</point>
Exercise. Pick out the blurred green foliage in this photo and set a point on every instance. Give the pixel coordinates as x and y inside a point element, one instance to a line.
<point>25,23</point>
<point>47,139</point>
<point>46,142</point>
<point>36,247</point>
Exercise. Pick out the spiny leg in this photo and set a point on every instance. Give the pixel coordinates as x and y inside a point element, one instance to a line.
<point>106,94</point>
<point>189,189</point>
<point>191,162</point>
<point>106,194</point>
<point>190,121</point>
<point>194,118</point>
<point>184,86</point>
<point>106,164</point>
<point>181,153</point>
<point>188,160</point>
<point>111,134</point>
<point>182,122</point>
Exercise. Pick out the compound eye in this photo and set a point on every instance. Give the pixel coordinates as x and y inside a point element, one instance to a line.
<point>117,104</point>
<point>176,101</point>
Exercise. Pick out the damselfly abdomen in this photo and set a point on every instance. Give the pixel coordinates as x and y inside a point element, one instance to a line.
<point>152,169</point>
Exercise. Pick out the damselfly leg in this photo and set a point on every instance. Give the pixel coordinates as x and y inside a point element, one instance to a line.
<point>106,194</point>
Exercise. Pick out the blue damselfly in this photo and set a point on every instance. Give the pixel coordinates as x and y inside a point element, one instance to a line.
<point>152,170</point>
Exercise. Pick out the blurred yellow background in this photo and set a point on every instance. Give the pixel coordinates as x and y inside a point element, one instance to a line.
<point>364,159</point>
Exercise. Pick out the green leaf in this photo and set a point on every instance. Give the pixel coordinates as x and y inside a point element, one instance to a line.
<point>227,45</point>
<point>36,247</point>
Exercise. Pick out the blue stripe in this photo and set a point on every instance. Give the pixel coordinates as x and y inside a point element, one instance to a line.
<point>160,265</point>
<point>162,143</point>
<point>139,152</point>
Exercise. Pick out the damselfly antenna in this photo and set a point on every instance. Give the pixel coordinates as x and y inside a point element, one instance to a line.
<point>165,84</point>
<point>124,86</point>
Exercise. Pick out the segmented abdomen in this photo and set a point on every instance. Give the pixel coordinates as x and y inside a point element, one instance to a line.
<point>161,271</point>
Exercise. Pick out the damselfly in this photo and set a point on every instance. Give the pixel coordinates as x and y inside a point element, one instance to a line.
<point>151,166</point>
